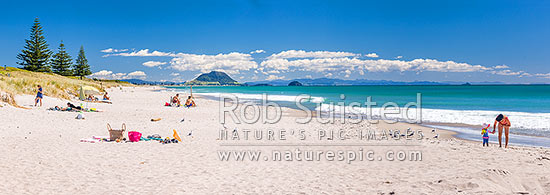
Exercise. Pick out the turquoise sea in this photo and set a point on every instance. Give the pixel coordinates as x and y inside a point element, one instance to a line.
<point>528,106</point>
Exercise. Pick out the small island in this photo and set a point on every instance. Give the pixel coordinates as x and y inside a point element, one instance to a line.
<point>295,83</point>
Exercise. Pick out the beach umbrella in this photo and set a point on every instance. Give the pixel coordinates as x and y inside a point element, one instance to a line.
<point>87,90</point>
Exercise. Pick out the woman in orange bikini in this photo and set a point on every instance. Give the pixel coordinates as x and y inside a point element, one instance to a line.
<point>502,121</point>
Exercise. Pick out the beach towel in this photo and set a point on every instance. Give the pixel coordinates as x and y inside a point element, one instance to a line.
<point>176,136</point>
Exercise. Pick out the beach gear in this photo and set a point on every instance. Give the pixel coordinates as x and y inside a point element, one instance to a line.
<point>87,90</point>
<point>80,116</point>
<point>89,140</point>
<point>134,136</point>
<point>116,134</point>
<point>176,136</point>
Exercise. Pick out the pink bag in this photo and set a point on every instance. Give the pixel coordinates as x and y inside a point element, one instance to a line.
<point>134,136</point>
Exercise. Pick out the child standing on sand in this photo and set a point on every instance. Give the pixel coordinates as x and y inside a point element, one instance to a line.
<point>485,133</point>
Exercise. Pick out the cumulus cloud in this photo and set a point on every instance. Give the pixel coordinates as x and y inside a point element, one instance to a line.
<point>137,74</point>
<point>542,75</point>
<point>274,77</point>
<point>175,74</point>
<point>372,55</point>
<point>142,53</point>
<point>111,50</point>
<point>107,74</point>
<point>309,54</point>
<point>501,67</point>
<point>326,62</point>
<point>153,63</point>
<point>257,51</point>
<point>231,61</point>
<point>380,65</point>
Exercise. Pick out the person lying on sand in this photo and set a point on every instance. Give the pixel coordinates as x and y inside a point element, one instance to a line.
<point>190,102</point>
<point>72,106</point>
<point>503,122</point>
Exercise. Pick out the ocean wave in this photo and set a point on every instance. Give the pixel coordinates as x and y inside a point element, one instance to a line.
<point>285,98</point>
<point>519,120</point>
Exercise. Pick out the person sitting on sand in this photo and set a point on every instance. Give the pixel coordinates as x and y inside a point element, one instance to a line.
<point>105,97</point>
<point>190,102</point>
<point>176,100</point>
<point>503,122</point>
<point>39,96</point>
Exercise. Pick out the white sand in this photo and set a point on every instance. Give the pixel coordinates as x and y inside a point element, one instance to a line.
<point>41,153</point>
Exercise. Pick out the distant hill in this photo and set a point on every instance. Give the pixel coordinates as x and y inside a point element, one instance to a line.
<point>213,78</point>
<point>328,82</point>
<point>295,83</point>
<point>142,82</point>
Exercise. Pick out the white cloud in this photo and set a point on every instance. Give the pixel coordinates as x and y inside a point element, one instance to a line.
<point>273,72</point>
<point>111,50</point>
<point>231,62</point>
<point>107,74</point>
<point>309,76</point>
<point>380,65</point>
<point>137,74</point>
<point>327,62</point>
<point>542,75</point>
<point>143,53</point>
<point>501,67</point>
<point>205,63</point>
<point>175,74</point>
<point>310,54</point>
<point>507,72</point>
<point>372,55</point>
<point>274,77</point>
<point>257,51</point>
<point>153,63</point>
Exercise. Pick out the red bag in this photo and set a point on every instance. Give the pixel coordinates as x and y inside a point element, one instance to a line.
<point>134,136</point>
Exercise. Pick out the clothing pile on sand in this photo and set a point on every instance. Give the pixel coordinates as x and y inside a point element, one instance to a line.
<point>133,136</point>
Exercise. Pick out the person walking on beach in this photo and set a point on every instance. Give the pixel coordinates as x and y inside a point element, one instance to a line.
<point>39,96</point>
<point>503,123</point>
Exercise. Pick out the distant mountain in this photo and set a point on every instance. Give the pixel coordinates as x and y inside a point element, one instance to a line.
<point>142,82</point>
<point>295,83</point>
<point>328,81</point>
<point>213,78</point>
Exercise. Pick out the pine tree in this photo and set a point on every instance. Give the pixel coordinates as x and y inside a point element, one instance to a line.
<point>81,67</point>
<point>62,62</point>
<point>35,55</point>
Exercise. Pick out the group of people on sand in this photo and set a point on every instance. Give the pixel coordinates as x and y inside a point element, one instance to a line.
<point>188,103</point>
<point>40,95</point>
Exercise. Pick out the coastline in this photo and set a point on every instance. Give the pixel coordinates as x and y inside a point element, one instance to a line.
<point>42,153</point>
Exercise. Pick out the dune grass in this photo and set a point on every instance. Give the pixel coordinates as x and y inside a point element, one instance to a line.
<point>14,81</point>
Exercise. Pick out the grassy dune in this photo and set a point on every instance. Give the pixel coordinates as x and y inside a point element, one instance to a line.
<point>14,81</point>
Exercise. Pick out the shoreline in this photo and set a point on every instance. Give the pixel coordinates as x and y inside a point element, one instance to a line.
<point>446,128</point>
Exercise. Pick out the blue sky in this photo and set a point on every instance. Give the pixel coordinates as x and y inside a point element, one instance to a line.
<point>506,41</point>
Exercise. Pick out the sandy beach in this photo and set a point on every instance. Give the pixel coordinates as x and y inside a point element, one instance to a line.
<point>42,154</point>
